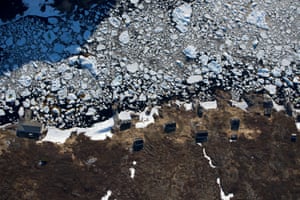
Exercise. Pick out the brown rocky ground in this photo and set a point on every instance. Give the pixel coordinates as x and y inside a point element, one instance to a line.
<point>262,164</point>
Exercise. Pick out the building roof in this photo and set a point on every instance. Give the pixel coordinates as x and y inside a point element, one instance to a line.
<point>30,126</point>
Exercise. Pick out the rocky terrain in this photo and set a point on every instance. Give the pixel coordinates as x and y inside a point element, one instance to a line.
<point>262,164</point>
<point>70,66</point>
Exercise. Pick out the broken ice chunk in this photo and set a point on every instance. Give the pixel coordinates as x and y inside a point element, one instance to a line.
<point>132,68</point>
<point>114,22</point>
<point>76,26</point>
<point>182,17</point>
<point>89,64</point>
<point>25,80</point>
<point>213,66</point>
<point>271,89</point>
<point>49,36</point>
<point>21,42</point>
<point>58,47</point>
<point>54,57</point>
<point>194,79</point>
<point>10,96</point>
<point>86,35</point>
<point>263,72</point>
<point>9,41</point>
<point>190,51</point>
<point>117,81</point>
<point>124,37</point>
<point>55,85</point>
<point>258,18</point>
<point>2,112</point>
<point>73,49</point>
<point>91,111</point>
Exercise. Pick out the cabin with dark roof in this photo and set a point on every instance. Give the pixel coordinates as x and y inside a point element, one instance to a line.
<point>30,129</point>
<point>267,112</point>
<point>235,124</point>
<point>125,124</point>
<point>267,102</point>
<point>138,144</point>
<point>200,111</point>
<point>170,127</point>
<point>201,136</point>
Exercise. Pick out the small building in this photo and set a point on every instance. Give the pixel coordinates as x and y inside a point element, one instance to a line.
<point>267,112</point>
<point>170,127</point>
<point>235,124</point>
<point>201,136</point>
<point>125,124</point>
<point>289,108</point>
<point>293,137</point>
<point>200,111</point>
<point>138,144</point>
<point>268,103</point>
<point>30,129</point>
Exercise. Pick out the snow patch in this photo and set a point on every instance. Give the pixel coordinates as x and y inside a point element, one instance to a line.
<point>147,119</point>
<point>278,107</point>
<point>99,131</point>
<point>125,115</point>
<point>108,194</point>
<point>240,104</point>
<point>209,105</point>
<point>132,172</point>
<point>209,159</point>
<point>298,125</point>
<point>222,193</point>
<point>188,106</point>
